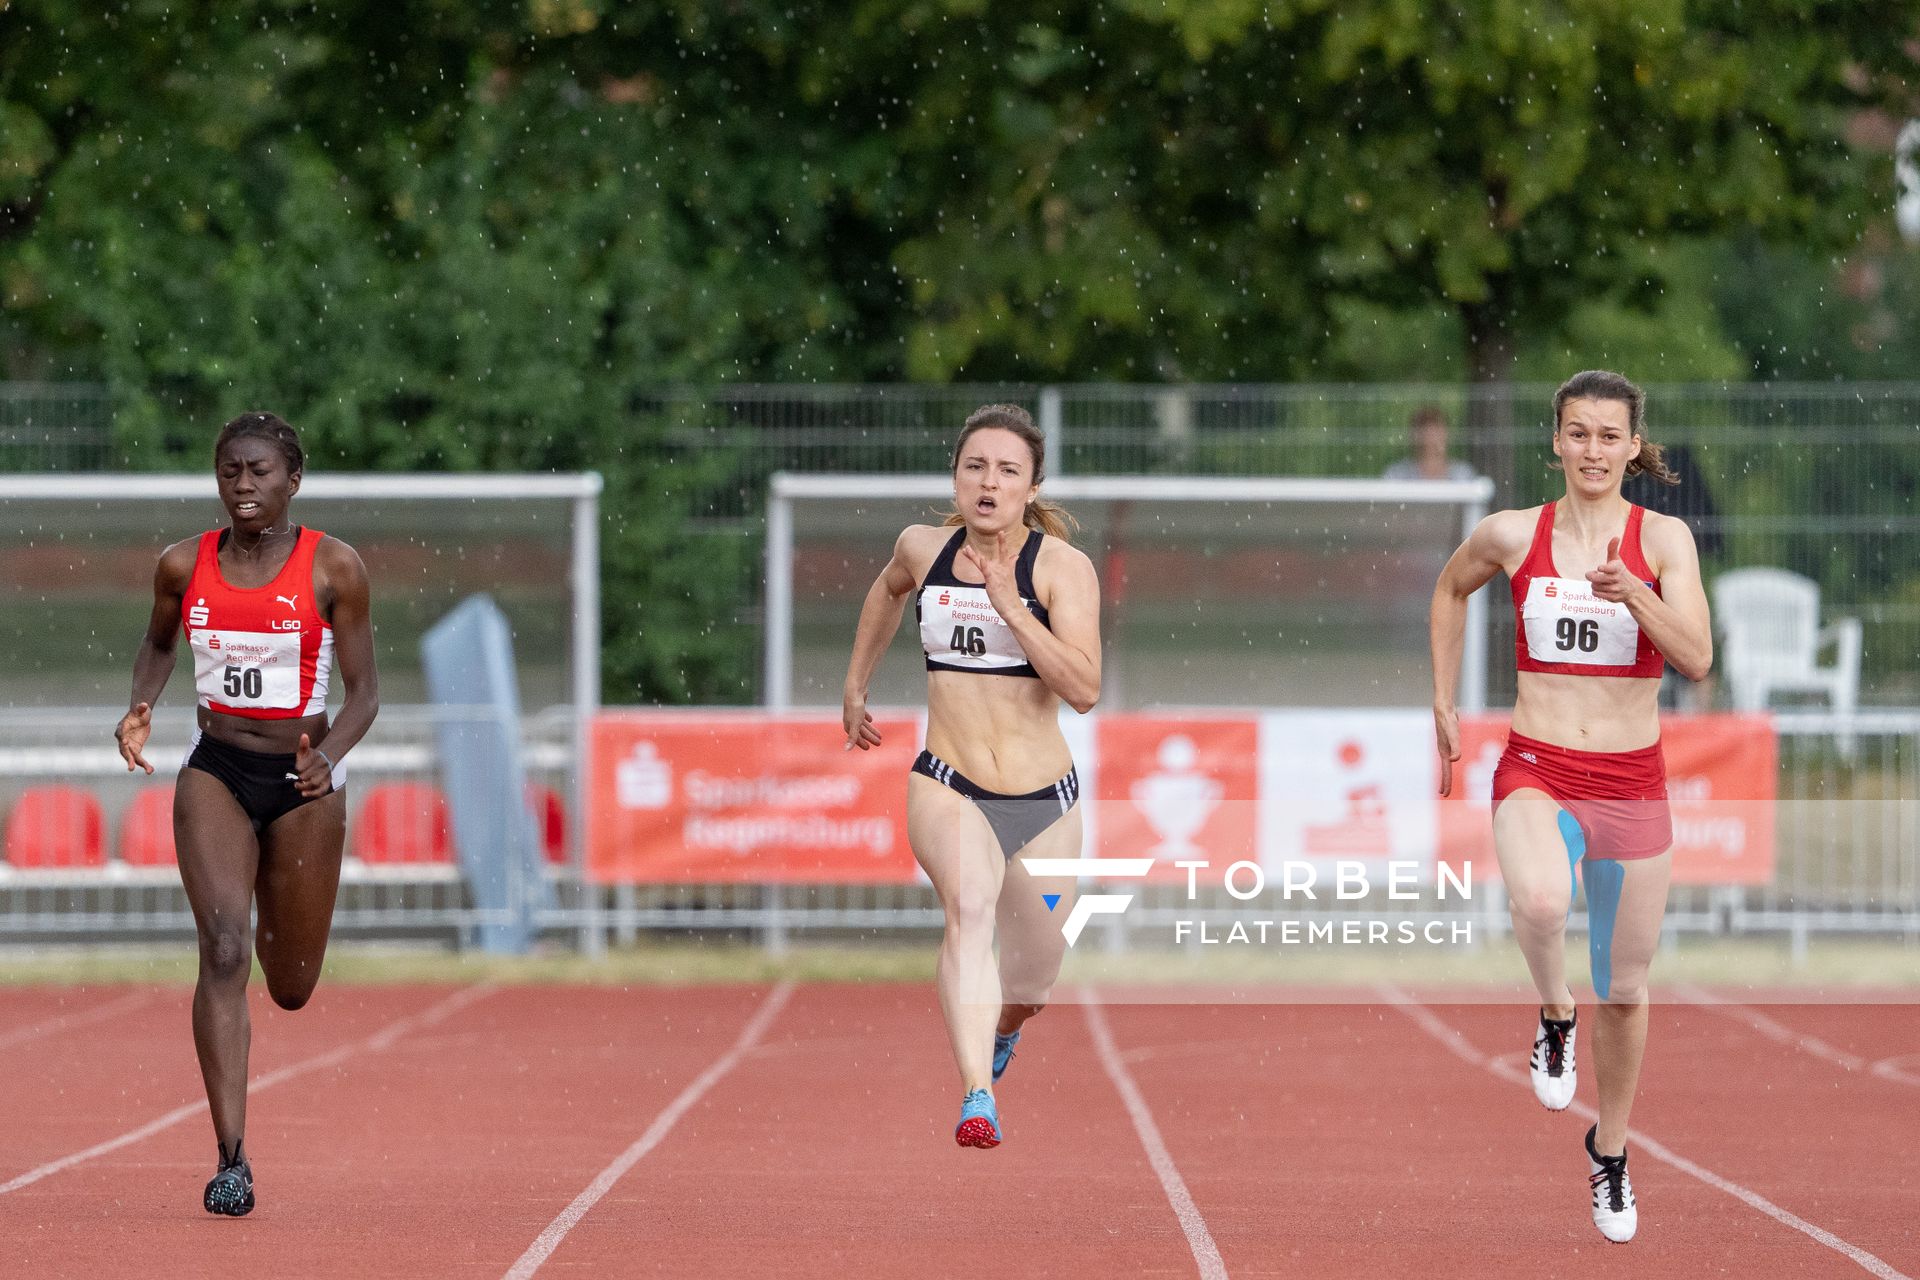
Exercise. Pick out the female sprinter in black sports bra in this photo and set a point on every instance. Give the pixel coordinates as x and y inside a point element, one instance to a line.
<point>270,611</point>
<point>1009,618</point>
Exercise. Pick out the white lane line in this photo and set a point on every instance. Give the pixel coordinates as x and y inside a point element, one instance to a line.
<point>1772,1030</point>
<point>1200,1240</point>
<point>1890,1069</point>
<point>85,1017</point>
<point>379,1040</point>
<point>543,1246</point>
<point>1506,1070</point>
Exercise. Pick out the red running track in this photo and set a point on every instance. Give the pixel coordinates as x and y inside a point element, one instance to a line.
<point>488,1132</point>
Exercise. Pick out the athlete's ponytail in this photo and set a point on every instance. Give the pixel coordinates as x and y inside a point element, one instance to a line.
<point>1049,518</point>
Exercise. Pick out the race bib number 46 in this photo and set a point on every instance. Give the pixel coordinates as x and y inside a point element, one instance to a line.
<point>1566,622</point>
<point>247,668</point>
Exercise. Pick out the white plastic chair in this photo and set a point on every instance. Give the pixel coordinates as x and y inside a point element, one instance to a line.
<point>1769,621</point>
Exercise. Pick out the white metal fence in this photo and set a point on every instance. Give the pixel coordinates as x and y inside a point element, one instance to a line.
<point>1822,479</point>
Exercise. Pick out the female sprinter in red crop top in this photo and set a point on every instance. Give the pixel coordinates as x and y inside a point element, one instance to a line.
<point>1009,618</point>
<point>270,610</point>
<point>1604,593</point>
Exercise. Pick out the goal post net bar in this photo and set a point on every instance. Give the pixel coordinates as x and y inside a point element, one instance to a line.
<point>1347,582</point>
<point>381,491</point>
<point>77,555</point>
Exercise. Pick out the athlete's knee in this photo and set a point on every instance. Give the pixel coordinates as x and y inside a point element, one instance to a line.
<point>290,984</point>
<point>290,997</point>
<point>226,953</point>
<point>970,911</point>
<point>1625,989</point>
<point>1538,907</point>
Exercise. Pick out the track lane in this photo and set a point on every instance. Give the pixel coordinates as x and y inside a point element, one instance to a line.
<point>89,1085</point>
<point>829,1153</point>
<point>1696,1117</point>
<point>442,1156</point>
<point>1313,1140</point>
<point>1335,1141</point>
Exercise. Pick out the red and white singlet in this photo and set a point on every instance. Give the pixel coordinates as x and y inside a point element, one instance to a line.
<point>259,652</point>
<point>1560,626</point>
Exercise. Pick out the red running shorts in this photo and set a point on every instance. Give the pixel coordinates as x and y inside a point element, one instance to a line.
<point>1619,798</point>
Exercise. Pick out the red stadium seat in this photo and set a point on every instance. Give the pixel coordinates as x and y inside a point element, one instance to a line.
<point>549,821</point>
<point>403,823</point>
<point>146,829</point>
<point>56,828</point>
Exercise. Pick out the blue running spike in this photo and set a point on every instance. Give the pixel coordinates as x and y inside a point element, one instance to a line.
<point>1051,899</point>
<point>1003,1053</point>
<point>979,1121</point>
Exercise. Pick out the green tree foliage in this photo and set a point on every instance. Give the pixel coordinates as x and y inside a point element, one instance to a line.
<point>1203,179</point>
<point>448,249</point>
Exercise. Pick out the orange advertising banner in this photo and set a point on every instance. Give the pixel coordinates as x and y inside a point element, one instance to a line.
<point>712,798</point>
<point>719,797</point>
<point>1722,778</point>
<point>1178,789</point>
<point>1722,772</point>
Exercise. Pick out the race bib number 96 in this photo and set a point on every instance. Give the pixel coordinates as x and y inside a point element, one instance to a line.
<point>247,668</point>
<point>1566,622</point>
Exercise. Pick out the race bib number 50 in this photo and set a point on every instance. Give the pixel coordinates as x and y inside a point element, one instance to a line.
<point>247,668</point>
<point>1566,622</point>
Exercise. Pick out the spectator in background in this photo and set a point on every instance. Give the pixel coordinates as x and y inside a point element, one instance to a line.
<point>1692,504</point>
<point>1427,431</point>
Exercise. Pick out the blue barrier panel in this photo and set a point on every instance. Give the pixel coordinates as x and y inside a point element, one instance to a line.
<point>468,656</point>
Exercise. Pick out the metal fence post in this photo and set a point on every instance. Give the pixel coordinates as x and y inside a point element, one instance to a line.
<point>1053,427</point>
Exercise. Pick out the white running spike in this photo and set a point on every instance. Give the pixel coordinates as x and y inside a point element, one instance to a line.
<point>1553,1088</point>
<point>1613,1208</point>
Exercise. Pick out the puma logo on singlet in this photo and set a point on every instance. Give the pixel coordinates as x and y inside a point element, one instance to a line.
<point>288,600</point>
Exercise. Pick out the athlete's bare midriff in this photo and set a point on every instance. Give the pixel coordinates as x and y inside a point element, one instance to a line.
<point>1002,732</point>
<point>1588,713</point>
<point>268,737</point>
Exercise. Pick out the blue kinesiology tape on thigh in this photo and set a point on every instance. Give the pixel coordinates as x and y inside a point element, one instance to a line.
<point>1605,878</point>
<point>1576,841</point>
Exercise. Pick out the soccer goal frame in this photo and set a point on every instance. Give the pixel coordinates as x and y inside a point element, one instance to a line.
<point>1473,498</point>
<point>44,746</point>
<point>582,488</point>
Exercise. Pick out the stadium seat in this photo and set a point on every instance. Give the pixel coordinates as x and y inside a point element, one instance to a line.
<point>146,829</point>
<point>549,821</point>
<point>402,823</point>
<point>1771,642</point>
<point>56,828</point>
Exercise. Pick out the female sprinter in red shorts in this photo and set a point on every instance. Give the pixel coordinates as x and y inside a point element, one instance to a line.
<point>270,610</point>
<point>1009,619</point>
<point>1604,593</point>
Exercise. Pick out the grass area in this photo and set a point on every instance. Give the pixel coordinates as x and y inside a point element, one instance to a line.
<point>1829,964</point>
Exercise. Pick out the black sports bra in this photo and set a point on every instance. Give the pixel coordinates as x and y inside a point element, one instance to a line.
<point>959,628</point>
